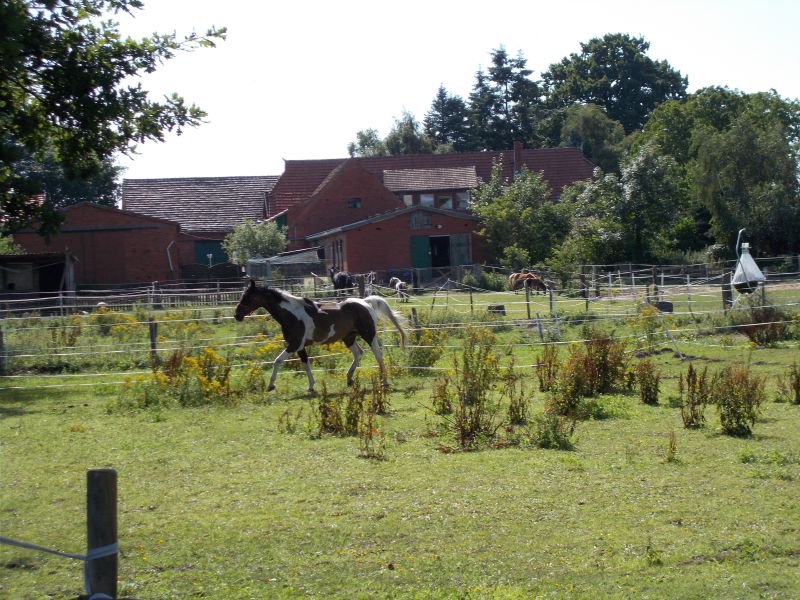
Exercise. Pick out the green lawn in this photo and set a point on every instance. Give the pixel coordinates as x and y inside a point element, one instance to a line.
<point>223,503</point>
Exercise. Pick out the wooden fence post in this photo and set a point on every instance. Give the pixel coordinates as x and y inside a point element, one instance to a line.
<point>539,326</point>
<point>153,326</point>
<point>361,286</point>
<point>528,299</point>
<point>471,308</point>
<point>415,320</point>
<point>552,302</point>
<point>101,529</point>
<point>3,365</point>
<point>727,291</point>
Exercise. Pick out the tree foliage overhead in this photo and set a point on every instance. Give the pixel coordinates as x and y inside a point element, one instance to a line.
<point>615,72</point>
<point>68,90</point>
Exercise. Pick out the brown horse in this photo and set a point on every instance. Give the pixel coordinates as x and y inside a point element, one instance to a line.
<point>521,280</point>
<point>304,322</point>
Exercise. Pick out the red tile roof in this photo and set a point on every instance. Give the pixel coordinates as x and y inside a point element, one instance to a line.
<point>417,180</point>
<point>560,166</point>
<point>199,204</point>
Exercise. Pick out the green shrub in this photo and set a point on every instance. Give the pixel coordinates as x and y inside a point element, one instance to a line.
<point>184,380</point>
<point>788,386</point>
<point>574,383</point>
<point>513,391</point>
<point>487,280</point>
<point>551,432</point>
<point>763,325</point>
<point>606,362</point>
<point>698,394</point>
<point>738,396</point>
<point>648,379</point>
<point>422,355</point>
<point>547,366</point>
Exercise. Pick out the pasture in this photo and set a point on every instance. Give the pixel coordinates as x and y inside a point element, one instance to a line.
<point>229,491</point>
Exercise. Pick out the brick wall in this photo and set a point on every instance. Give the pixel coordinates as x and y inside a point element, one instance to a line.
<point>111,246</point>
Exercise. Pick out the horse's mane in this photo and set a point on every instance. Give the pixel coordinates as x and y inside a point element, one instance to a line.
<point>311,307</point>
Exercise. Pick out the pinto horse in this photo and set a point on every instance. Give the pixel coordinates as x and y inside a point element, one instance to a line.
<point>304,322</point>
<point>401,287</point>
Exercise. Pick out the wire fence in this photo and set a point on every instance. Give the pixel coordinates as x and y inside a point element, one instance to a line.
<point>114,335</point>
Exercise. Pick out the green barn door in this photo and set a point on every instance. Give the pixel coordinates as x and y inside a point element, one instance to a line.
<point>421,255</point>
<point>459,250</point>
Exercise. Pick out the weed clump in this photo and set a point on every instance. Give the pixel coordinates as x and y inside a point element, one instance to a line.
<point>648,378</point>
<point>697,390</point>
<point>738,396</point>
<point>788,386</point>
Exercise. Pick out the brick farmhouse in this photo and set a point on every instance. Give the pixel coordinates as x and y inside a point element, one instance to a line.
<point>364,214</point>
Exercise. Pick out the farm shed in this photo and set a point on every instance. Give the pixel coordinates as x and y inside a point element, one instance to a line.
<point>206,208</point>
<point>426,239</point>
<point>111,246</point>
<point>299,263</point>
<point>32,273</point>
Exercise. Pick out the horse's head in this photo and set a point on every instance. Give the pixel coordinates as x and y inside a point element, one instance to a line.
<point>248,302</point>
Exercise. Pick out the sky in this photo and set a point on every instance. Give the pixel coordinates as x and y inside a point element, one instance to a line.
<point>297,80</point>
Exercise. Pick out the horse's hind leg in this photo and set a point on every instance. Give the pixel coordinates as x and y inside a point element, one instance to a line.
<point>275,365</point>
<point>357,354</point>
<point>378,352</point>
<point>307,364</point>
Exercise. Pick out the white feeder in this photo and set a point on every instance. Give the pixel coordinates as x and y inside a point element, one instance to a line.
<point>747,274</point>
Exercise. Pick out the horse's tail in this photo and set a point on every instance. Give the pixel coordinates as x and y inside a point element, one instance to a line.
<point>384,311</point>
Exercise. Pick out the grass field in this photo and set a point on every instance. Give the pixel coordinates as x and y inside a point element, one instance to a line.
<point>247,501</point>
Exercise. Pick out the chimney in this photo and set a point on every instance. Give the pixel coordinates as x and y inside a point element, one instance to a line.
<point>517,164</point>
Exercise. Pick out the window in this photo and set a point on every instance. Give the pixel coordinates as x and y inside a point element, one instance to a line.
<point>462,200</point>
<point>354,203</point>
<point>426,199</point>
<point>421,220</point>
<point>444,201</point>
<point>408,199</point>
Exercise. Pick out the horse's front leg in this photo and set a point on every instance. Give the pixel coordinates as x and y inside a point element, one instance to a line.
<point>307,364</point>
<point>275,366</point>
<point>357,354</point>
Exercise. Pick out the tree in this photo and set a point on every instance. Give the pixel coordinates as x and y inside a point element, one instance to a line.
<point>746,176</point>
<point>66,88</point>
<point>368,143</point>
<point>60,191</point>
<point>406,137</point>
<point>504,104</point>
<point>740,156</point>
<point>520,215</point>
<point>652,198</point>
<point>8,246</point>
<point>600,138</point>
<point>516,97</point>
<point>446,121</point>
<point>615,73</point>
<point>254,240</point>
<point>596,234</point>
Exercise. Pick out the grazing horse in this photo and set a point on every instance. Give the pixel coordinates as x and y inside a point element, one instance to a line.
<point>342,281</point>
<point>521,280</point>
<point>401,287</point>
<point>304,322</point>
